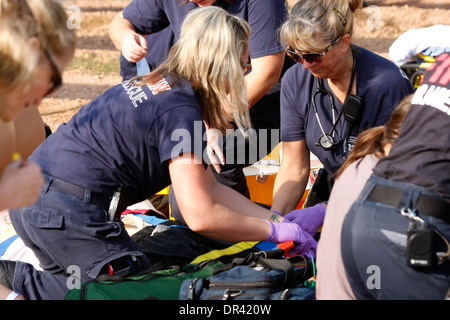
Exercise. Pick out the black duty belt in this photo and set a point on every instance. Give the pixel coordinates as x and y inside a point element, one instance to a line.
<point>79,192</point>
<point>426,205</point>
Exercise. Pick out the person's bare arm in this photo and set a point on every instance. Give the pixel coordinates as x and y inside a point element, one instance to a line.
<point>125,38</point>
<point>5,292</point>
<point>212,209</point>
<point>292,177</point>
<point>29,130</point>
<point>265,73</point>
<point>20,184</point>
<point>239,203</point>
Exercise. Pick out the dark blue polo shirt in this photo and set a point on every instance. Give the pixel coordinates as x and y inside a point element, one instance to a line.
<point>125,137</point>
<point>379,82</point>
<point>162,19</point>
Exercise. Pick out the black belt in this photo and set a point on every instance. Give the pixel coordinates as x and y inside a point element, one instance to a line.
<point>426,205</point>
<point>79,192</point>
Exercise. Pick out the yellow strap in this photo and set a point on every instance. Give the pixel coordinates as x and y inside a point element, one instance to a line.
<point>163,191</point>
<point>426,58</point>
<point>214,254</point>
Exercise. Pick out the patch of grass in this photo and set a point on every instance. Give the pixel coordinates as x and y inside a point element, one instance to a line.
<point>96,20</point>
<point>89,63</point>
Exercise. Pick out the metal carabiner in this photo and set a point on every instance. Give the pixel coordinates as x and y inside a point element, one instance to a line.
<point>231,293</point>
<point>411,214</point>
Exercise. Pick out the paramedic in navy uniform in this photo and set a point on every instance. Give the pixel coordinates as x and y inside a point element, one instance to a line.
<point>412,182</point>
<point>318,36</point>
<point>142,136</point>
<point>160,21</point>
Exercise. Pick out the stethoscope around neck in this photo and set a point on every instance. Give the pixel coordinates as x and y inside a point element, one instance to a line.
<point>327,140</point>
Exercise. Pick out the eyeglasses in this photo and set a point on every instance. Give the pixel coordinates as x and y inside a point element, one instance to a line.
<point>309,57</point>
<point>246,68</point>
<point>56,80</point>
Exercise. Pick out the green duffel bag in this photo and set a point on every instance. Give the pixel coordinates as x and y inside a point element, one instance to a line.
<point>161,284</point>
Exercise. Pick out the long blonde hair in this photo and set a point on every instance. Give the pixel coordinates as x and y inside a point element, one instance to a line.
<point>21,20</point>
<point>208,55</point>
<point>313,24</point>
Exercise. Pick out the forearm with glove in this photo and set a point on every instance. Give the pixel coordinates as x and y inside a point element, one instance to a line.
<point>300,226</point>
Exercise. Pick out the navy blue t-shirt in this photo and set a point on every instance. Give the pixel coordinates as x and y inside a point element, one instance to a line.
<point>125,137</point>
<point>380,83</point>
<point>162,19</point>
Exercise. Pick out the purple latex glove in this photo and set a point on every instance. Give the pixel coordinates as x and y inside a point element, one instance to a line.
<point>281,232</point>
<point>309,219</point>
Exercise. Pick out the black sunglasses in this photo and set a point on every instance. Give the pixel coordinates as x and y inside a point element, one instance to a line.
<point>56,80</point>
<point>309,57</point>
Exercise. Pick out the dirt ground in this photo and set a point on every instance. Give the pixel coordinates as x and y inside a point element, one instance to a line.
<point>96,64</point>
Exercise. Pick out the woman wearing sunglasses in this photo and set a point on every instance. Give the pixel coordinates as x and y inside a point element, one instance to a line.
<point>335,91</point>
<point>32,58</point>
